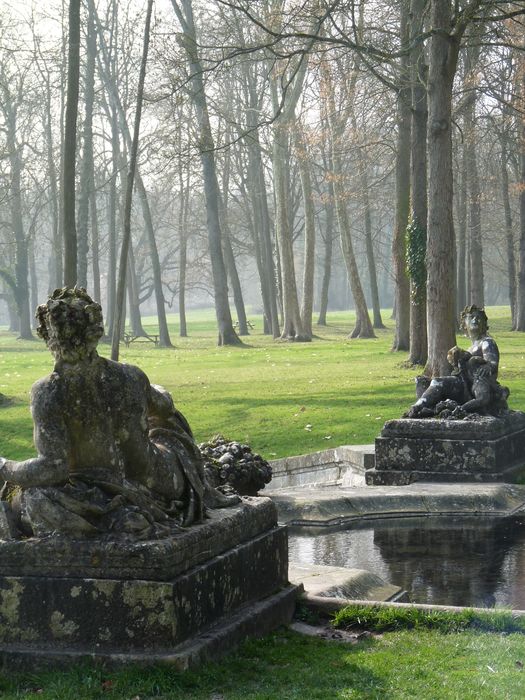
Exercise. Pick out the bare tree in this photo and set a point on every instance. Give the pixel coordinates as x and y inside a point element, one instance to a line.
<point>129,193</point>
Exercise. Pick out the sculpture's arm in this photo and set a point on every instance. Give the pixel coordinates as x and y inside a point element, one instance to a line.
<point>490,353</point>
<point>50,437</point>
<point>162,408</point>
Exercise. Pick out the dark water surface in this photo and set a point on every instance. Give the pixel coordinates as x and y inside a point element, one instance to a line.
<point>442,560</point>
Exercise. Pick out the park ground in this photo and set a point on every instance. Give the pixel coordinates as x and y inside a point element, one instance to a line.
<point>284,399</point>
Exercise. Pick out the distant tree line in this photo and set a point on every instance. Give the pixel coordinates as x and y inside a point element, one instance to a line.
<point>281,137</point>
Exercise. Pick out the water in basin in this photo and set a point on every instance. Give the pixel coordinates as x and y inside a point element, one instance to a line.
<point>442,560</point>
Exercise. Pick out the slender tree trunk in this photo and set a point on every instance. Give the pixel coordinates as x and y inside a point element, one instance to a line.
<point>227,335</point>
<point>95,244</point>
<point>370,257</point>
<point>327,263</point>
<point>129,193</point>
<point>292,322</point>
<point>164,336</point>
<point>57,274</point>
<point>521,277</point>
<point>184,195</point>
<point>402,286</point>
<point>112,226</point>
<point>69,157</point>
<point>135,318</point>
<point>229,257</point>
<point>441,248</point>
<point>20,284</point>
<point>309,230</point>
<point>86,185</point>
<point>363,327</point>
<point>509,234</point>
<point>474,189</point>
<point>461,300</point>
<point>417,231</point>
<point>33,282</point>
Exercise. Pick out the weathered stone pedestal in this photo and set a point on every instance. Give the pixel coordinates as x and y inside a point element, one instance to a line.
<point>178,600</point>
<point>484,449</point>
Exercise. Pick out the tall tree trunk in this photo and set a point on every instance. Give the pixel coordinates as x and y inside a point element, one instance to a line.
<point>112,226</point>
<point>402,286</point>
<point>95,244</point>
<point>461,299</point>
<point>509,234</point>
<point>164,336</point>
<point>227,335</point>
<point>367,215</point>
<point>33,282</point>
<point>20,284</point>
<point>477,296</point>
<point>86,185</point>
<point>441,248</point>
<point>521,139</point>
<point>184,195</point>
<point>129,194</point>
<point>307,305</point>
<point>327,266</point>
<point>229,257</point>
<point>135,318</point>
<point>292,322</point>
<point>69,150</point>
<point>363,326</point>
<point>56,272</point>
<point>417,230</point>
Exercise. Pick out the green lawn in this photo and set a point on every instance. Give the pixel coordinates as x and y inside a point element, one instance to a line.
<point>265,393</point>
<point>426,665</point>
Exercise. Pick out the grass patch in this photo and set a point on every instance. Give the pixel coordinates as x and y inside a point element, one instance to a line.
<point>381,619</point>
<point>265,393</point>
<point>285,666</point>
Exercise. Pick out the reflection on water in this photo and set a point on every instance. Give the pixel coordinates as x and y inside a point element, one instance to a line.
<point>447,561</point>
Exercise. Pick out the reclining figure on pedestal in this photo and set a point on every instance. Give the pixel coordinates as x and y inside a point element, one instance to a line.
<point>472,387</point>
<point>115,457</point>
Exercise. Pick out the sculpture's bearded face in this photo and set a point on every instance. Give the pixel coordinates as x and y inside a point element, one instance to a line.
<point>474,322</point>
<point>71,324</point>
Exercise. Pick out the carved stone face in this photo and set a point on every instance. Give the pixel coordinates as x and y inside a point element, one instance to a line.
<point>71,324</point>
<point>475,324</point>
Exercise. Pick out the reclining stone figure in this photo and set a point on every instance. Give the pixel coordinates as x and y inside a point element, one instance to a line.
<point>115,457</point>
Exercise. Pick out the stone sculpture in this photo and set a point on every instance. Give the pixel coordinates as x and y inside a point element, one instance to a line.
<point>477,438</point>
<point>472,387</point>
<point>115,457</point>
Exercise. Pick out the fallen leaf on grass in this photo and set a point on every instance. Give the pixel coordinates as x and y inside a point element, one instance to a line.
<point>519,664</point>
<point>308,428</point>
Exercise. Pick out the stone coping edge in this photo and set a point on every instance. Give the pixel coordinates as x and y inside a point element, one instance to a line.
<point>252,620</point>
<point>330,605</point>
<point>391,515</point>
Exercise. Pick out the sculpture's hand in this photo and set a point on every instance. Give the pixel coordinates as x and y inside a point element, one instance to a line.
<point>485,371</point>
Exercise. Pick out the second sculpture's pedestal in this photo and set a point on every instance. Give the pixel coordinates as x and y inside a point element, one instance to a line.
<point>483,449</point>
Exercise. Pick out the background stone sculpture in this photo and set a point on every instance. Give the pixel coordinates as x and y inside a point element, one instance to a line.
<point>115,457</point>
<point>472,387</point>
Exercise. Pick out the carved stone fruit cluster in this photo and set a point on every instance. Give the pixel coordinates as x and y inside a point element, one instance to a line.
<point>235,465</point>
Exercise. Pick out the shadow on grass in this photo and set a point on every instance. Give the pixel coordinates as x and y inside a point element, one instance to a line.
<point>284,665</point>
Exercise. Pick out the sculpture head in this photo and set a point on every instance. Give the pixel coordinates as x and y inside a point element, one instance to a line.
<point>71,324</point>
<point>474,322</point>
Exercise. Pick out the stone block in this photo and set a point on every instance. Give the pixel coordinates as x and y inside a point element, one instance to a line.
<point>197,580</point>
<point>485,449</point>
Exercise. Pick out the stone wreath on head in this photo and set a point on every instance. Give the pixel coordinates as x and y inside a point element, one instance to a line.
<point>473,309</point>
<point>74,314</point>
